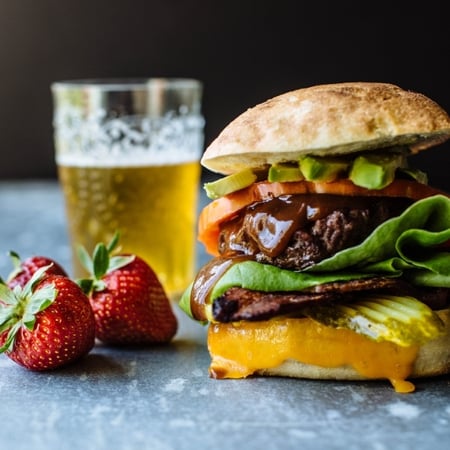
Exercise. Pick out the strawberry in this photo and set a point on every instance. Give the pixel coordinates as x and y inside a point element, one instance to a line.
<point>46,324</point>
<point>128,300</point>
<point>24,270</point>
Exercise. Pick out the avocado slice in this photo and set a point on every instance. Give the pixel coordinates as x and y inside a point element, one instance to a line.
<point>231,183</point>
<point>415,174</point>
<point>376,171</point>
<point>284,173</point>
<point>315,168</point>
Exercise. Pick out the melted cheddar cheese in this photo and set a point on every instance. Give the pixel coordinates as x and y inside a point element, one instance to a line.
<point>240,349</point>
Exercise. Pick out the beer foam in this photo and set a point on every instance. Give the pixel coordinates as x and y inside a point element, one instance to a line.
<point>126,141</point>
<point>134,159</point>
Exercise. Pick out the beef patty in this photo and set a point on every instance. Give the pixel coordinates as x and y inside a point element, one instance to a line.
<point>242,304</point>
<point>297,231</point>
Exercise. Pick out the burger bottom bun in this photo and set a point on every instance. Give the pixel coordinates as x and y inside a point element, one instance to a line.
<point>433,359</point>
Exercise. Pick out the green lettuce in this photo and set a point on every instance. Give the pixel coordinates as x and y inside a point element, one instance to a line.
<point>264,277</point>
<point>407,245</point>
<point>407,242</point>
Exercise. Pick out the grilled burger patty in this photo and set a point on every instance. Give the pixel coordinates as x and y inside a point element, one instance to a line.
<point>297,231</point>
<point>242,304</point>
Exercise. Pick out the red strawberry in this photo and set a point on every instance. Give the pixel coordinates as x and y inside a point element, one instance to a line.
<point>129,302</point>
<point>24,270</point>
<point>47,324</point>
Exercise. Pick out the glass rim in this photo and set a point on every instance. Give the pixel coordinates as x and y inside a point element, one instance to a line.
<point>119,84</point>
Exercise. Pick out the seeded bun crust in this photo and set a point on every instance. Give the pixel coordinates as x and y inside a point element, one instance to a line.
<point>433,359</point>
<point>328,119</point>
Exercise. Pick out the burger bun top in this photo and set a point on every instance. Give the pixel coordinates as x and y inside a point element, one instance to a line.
<point>332,119</point>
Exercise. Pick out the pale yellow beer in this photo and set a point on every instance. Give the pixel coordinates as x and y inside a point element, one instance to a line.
<point>127,153</point>
<point>153,207</point>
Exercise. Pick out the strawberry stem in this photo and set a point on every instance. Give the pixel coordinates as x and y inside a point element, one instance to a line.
<point>101,263</point>
<point>19,306</point>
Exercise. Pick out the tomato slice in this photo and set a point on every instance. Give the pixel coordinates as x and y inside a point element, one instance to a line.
<point>226,207</point>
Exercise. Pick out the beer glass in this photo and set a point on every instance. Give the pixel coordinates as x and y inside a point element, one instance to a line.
<point>127,153</point>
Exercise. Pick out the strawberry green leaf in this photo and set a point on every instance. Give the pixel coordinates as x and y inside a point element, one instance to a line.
<point>9,342</point>
<point>99,285</point>
<point>113,243</point>
<point>8,316</point>
<point>9,306</point>
<point>38,301</point>
<point>15,258</point>
<point>101,261</point>
<point>19,306</point>
<point>85,259</point>
<point>116,262</point>
<point>35,279</point>
<point>101,264</point>
<point>86,285</point>
<point>29,323</point>
<point>7,296</point>
<point>8,320</point>
<point>18,290</point>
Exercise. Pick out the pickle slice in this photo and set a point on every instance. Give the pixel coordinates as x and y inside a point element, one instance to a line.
<point>231,183</point>
<point>404,321</point>
<point>316,168</point>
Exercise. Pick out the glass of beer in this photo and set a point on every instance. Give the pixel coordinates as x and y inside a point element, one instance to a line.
<point>127,153</point>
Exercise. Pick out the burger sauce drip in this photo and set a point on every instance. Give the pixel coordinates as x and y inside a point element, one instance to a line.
<point>271,223</point>
<point>204,282</point>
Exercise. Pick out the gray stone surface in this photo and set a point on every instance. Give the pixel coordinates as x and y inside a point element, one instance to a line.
<point>162,397</point>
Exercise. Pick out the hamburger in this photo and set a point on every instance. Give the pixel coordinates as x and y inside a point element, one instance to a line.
<point>330,253</point>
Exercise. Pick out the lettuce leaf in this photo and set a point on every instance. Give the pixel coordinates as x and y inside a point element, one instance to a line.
<point>407,245</point>
<point>264,277</point>
<point>407,242</point>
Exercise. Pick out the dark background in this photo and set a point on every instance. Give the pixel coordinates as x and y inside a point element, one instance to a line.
<point>244,51</point>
